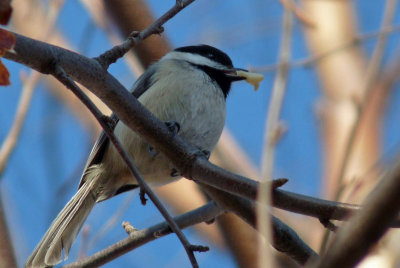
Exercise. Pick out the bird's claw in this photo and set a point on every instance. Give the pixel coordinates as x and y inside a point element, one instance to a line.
<point>203,153</point>
<point>175,173</point>
<point>173,126</point>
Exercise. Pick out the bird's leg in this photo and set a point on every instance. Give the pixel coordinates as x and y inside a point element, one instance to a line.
<point>175,173</point>
<point>203,153</point>
<point>206,153</point>
<point>173,126</point>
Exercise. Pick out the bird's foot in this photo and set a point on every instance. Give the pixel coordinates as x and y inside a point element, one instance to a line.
<point>173,126</point>
<point>203,153</point>
<point>175,173</point>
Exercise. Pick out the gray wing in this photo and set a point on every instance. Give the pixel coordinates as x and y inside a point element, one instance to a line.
<point>96,155</point>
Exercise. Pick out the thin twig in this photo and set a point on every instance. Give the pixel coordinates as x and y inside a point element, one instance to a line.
<point>129,229</point>
<point>356,237</point>
<point>83,249</point>
<point>138,238</point>
<point>112,55</point>
<point>315,207</point>
<point>370,77</point>
<point>271,137</point>
<point>69,83</point>
<point>24,102</point>
<point>299,13</point>
<point>308,62</point>
<point>27,91</point>
<point>7,255</point>
<point>98,12</point>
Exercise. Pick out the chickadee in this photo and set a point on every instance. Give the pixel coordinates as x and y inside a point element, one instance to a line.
<point>188,86</point>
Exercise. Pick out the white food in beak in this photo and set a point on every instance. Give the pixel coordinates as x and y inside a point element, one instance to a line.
<point>252,78</point>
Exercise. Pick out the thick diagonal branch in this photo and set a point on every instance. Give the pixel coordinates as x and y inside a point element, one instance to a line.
<point>285,239</point>
<point>41,56</point>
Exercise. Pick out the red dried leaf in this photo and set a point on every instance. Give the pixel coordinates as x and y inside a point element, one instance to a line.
<point>7,41</point>
<point>4,75</point>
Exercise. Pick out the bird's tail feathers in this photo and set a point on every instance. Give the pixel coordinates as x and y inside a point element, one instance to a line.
<point>65,227</point>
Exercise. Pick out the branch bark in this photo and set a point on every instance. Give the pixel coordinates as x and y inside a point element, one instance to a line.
<point>129,15</point>
<point>24,103</point>
<point>41,56</point>
<point>272,134</point>
<point>285,239</point>
<point>356,237</point>
<point>89,72</point>
<point>139,238</point>
<point>136,37</point>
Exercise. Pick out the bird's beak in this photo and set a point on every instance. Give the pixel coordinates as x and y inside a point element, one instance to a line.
<point>237,74</point>
<point>233,75</point>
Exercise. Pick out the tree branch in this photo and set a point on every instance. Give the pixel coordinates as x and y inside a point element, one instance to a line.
<point>7,256</point>
<point>272,134</point>
<point>371,75</point>
<point>24,103</point>
<point>135,37</point>
<point>139,238</point>
<point>315,207</point>
<point>356,237</point>
<point>137,14</point>
<point>285,239</point>
<point>309,61</point>
<point>367,87</point>
<point>88,72</point>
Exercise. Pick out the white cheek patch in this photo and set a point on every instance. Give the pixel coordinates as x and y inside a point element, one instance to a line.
<point>192,58</point>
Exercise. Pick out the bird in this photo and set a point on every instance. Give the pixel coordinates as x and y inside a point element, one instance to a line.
<point>187,89</point>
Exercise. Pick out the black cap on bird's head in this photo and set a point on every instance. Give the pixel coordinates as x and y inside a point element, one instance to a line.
<point>209,52</point>
<point>214,62</point>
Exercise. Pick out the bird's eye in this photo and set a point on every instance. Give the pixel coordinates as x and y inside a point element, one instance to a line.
<point>210,56</point>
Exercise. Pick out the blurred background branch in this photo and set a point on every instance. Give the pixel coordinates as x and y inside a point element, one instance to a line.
<point>12,138</point>
<point>272,134</point>
<point>7,256</point>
